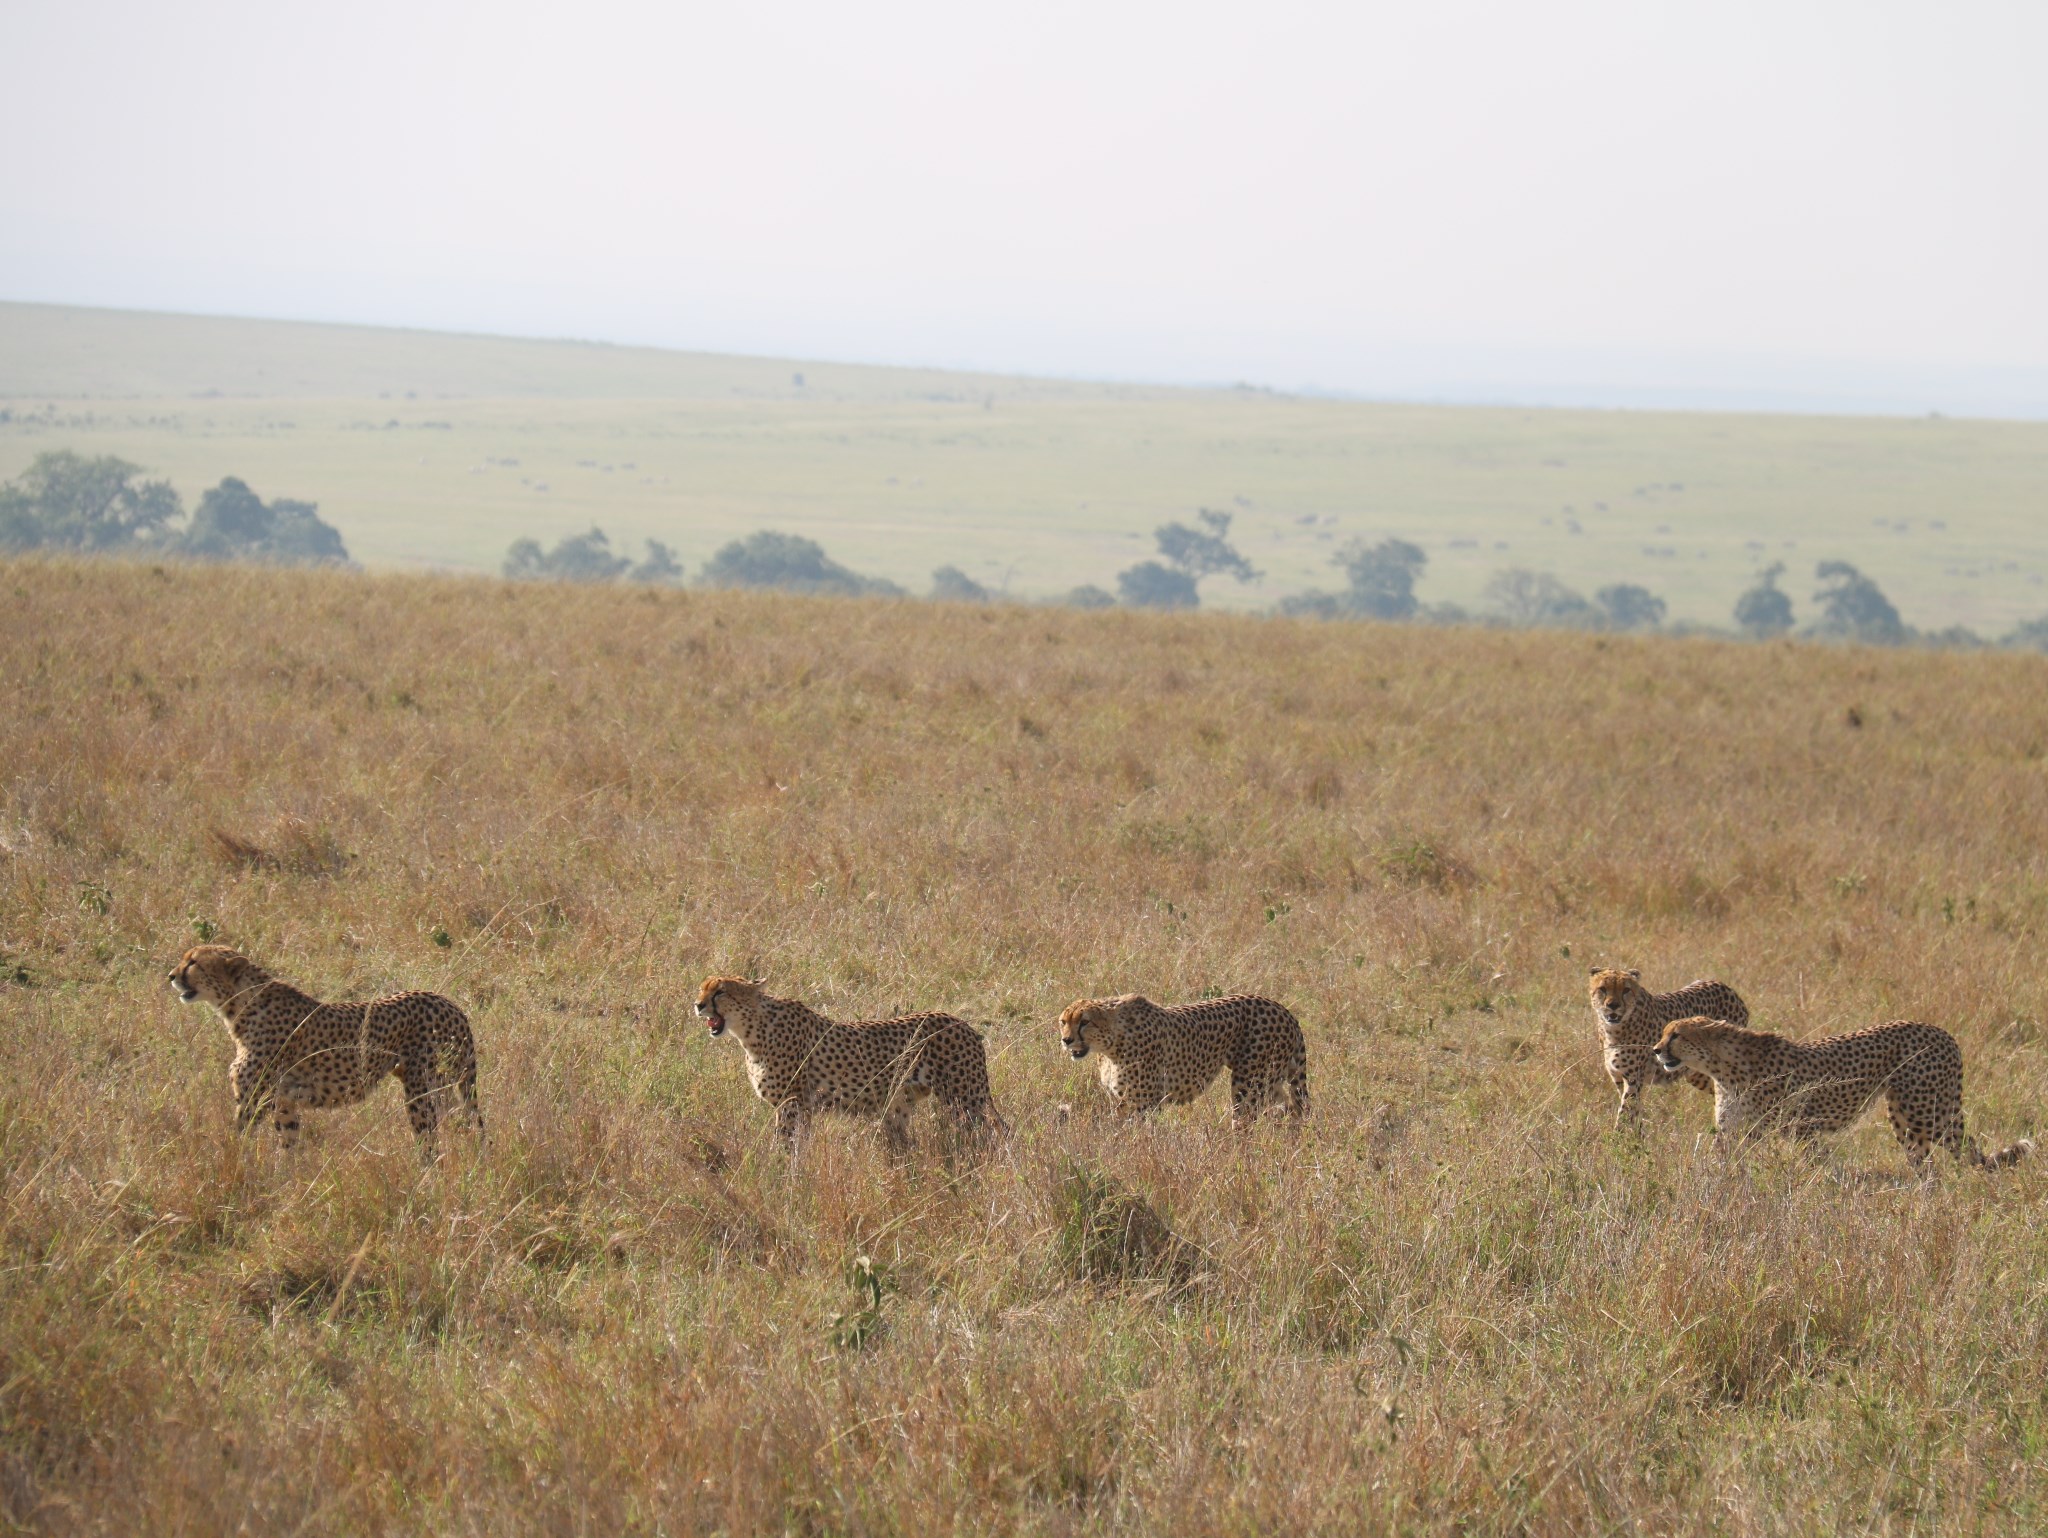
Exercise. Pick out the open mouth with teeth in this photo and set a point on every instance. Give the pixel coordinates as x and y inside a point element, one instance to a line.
<point>1078,1050</point>
<point>715,1024</point>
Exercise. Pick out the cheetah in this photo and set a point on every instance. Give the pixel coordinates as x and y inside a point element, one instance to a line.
<point>1156,1055</point>
<point>1630,1018</point>
<point>1807,1088</point>
<point>801,1063</point>
<point>294,1053</point>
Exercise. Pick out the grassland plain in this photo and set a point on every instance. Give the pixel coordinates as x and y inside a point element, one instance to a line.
<point>439,451</point>
<point>1454,1302</point>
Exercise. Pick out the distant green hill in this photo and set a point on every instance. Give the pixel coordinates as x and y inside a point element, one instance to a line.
<point>440,450</point>
<point>64,352</point>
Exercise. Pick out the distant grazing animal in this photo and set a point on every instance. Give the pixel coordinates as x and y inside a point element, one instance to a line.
<point>1807,1088</point>
<point>294,1053</point>
<point>800,1062</point>
<point>1631,1017</point>
<point>1155,1055</point>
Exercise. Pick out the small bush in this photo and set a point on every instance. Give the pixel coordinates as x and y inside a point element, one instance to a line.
<point>1110,1234</point>
<point>789,562</point>
<point>952,585</point>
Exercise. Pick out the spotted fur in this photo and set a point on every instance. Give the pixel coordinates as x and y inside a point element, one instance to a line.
<point>294,1053</point>
<point>1153,1055</point>
<point>802,1063</point>
<point>1809,1088</point>
<point>1631,1018</point>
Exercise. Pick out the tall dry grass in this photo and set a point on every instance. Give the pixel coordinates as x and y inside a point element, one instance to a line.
<point>1456,1302</point>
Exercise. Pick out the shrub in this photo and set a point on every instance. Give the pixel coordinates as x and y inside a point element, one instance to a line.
<point>1525,597</point>
<point>952,585</point>
<point>2032,636</point>
<point>1154,585</point>
<point>588,558</point>
<point>789,562</point>
<point>576,558</point>
<point>1109,1234</point>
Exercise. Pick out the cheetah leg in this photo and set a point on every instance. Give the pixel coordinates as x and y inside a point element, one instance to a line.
<point>1134,1099</point>
<point>789,1124</point>
<point>1249,1099</point>
<point>423,1091</point>
<point>896,1115</point>
<point>1297,1091</point>
<point>252,1095</point>
<point>1630,1112</point>
<point>1913,1139</point>
<point>284,1114</point>
<point>972,1113</point>
<point>250,1109</point>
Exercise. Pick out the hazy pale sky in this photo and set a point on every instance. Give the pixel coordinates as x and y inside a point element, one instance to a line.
<point>1773,196</point>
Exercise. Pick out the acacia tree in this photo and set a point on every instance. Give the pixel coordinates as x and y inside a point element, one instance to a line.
<point>1764,611</point>
<point>232,523</point>
<point>1854,607</point>
<point>1629,607</point>
<point>65,501</point>
<point>1382,577</point>
<point>1525,597</point>
<point>1190,554</point>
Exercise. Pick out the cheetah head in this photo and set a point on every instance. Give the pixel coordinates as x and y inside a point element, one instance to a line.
<point>1698,1042</point>
<point>1614,993</point>
<point>720,996</point>
<point>1089,1023</point>
<point>214,974</point>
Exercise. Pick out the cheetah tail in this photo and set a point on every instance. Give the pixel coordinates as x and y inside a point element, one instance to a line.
<point>2004,1158</point>
<point>468,1087</point>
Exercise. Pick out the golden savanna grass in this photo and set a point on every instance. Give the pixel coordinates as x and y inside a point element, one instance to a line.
<point>1455,1301</point>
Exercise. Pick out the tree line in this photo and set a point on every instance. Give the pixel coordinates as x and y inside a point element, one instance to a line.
<point>102,506</point>
<point>69,502</point>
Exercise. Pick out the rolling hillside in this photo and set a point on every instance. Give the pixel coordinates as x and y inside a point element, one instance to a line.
<point>439,451</point>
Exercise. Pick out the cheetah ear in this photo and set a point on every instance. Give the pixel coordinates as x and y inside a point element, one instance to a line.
<point>1592,971</point>
<point>758,982</point>
<point>1632,972</point>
